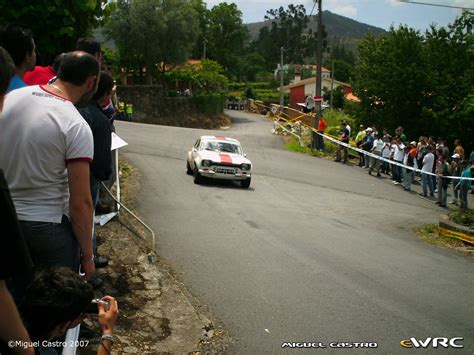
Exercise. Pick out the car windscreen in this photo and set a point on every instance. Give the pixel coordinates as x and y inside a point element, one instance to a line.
<point>223,147</point>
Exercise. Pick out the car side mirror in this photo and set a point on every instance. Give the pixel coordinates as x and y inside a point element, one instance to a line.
<point>245,155</point>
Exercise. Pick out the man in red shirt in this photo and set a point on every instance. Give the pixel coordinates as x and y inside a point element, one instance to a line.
<point>42,75</point>
<point>321,128</point>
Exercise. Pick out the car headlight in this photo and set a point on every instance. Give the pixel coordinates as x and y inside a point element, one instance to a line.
<point>206,163</point>
<point>245,166</point>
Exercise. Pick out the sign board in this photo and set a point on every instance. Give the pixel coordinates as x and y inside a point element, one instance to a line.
<point>274,109</point>
<point>117,142</point>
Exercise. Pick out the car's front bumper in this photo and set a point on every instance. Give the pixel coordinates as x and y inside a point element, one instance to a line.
<point>214,174</point>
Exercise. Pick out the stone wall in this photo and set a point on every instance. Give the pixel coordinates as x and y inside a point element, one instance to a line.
<point>150,106</point>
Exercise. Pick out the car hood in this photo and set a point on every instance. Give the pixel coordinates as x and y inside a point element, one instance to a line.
<point>224,158</point>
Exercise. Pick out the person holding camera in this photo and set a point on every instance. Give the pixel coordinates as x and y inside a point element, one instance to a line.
<point>59,299</point>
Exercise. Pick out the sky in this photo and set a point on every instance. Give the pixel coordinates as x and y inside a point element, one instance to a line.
<point>379,13</point>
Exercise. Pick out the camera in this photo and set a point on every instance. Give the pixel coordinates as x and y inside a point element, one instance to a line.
<point>93,307</point>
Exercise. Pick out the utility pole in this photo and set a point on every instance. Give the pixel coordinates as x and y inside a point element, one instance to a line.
<point>282,94</point>
<point>332,81</point>
<point>319,61</point>
<point>204,49</point>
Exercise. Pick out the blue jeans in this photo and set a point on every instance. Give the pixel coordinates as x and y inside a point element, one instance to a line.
<point>463,195</point>
<point>407,178</point>
<point>51,244</point>
<point>427,181</point>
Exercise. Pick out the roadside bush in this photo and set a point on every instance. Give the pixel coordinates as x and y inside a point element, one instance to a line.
<point>465,218</point>
<point>211,104</point>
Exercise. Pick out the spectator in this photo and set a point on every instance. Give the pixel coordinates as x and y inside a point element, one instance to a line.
<point>101,167</point>
<point>398,155</point>
<point>58,299</point>
<point>46,149</point>
<point>427,167</point>
<point>20,45</point>
<point>399,132</point>
<point>348,127</point>
<point>455,169</point>
<point>377,148</point>
<point>358,141</point>
<point>129,111</point>
<point>413,152</point>
<point>367,144</point>
<point>421,151</point>
<point>322,125</point>
<point>458,149</point>
<point>408,161</point>
<point>471,161</point>
<point>386,153</point>
<point>14,256</point>
<point>464,185</point>
<point>442,170</point>
<point>43,75</point>
<point>89,45</point>
<point>344,138</point>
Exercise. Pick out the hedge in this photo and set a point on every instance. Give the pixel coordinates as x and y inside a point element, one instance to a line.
<point>212,104</point>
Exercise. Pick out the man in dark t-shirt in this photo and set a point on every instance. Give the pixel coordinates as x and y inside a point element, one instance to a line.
<point>344,138</point>
<point>101,167</point>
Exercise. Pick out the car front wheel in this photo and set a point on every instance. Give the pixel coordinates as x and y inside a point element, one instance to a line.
<point>189,171</point>
<point>245,183</point>
<point>197,176</point>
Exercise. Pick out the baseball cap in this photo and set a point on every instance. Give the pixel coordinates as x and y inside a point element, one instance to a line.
<point>413,143</point>
<point>456,156</point>
<point>369,129</point>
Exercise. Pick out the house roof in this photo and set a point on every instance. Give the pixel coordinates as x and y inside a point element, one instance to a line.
<point>310,66</point>
<point>351,97</point>
<point>313,81</point>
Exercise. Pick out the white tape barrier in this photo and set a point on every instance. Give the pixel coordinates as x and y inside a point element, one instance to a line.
<point>392,162</point>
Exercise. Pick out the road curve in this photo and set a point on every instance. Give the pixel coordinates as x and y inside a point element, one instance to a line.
<point>314,251</point>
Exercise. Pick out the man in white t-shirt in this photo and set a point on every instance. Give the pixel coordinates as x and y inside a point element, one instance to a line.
<point>427,167</point>
<point>398,155</point>
<point>46,148</point>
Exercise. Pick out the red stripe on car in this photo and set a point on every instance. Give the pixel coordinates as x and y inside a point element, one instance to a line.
<point>221,137</point>
<point>225,158</point>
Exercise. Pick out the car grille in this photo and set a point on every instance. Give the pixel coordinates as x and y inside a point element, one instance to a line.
<point>227,165</point>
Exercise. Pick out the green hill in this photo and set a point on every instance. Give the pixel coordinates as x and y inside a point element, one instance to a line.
<point>340,29</point>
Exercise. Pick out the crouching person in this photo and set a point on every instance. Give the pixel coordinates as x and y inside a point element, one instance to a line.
<point>59,299</point>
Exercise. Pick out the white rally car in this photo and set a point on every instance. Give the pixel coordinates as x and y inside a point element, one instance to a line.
<point>219,157</point>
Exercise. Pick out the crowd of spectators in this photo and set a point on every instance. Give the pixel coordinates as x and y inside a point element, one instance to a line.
<point>427,156</point>
<point>55,149</point>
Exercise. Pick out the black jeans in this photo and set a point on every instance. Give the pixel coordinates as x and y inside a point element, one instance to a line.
<point>51,244</point>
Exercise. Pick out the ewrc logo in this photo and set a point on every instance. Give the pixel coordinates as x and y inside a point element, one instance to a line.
<point>435,343</point>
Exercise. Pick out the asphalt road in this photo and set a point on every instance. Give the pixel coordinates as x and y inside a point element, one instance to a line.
<point>314,251</point>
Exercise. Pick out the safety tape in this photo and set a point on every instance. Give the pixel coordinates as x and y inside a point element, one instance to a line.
<point>392,162</point>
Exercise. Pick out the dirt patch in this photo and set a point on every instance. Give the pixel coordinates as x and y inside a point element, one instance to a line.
<point>157,313</point>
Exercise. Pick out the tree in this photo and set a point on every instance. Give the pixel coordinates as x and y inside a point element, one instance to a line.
<point>56,25</point>
<point>287,29</point>
<point>337,97</point>
<point>226,36</point>
<point>153,34</point>
<point>390,78</point>
<point>202,13</point>
<point>422,82</point>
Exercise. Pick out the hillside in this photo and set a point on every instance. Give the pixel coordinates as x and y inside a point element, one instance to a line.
<point>339,28</point>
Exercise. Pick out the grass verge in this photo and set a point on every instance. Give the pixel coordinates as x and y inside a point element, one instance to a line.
<point>429,234</point>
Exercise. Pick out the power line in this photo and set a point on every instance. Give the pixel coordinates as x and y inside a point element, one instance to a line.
<point>438,5</point>
<point>314,5</point>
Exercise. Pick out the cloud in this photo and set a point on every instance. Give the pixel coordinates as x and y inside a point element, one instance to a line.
<point>342,7</point>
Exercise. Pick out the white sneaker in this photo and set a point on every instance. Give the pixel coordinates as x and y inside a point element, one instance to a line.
<point>436,190</point>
